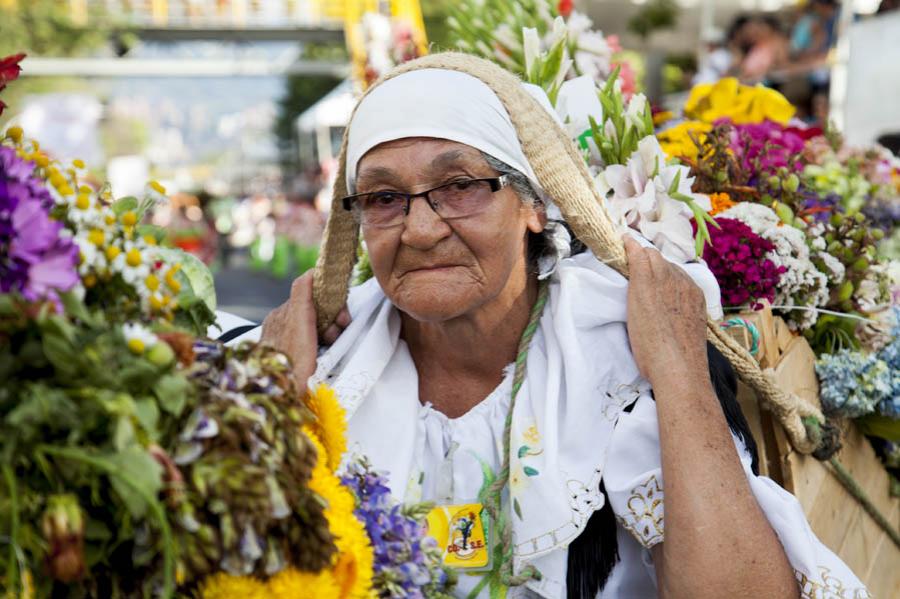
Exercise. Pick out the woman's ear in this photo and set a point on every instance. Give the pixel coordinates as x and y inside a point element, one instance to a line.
<point>536,218</point>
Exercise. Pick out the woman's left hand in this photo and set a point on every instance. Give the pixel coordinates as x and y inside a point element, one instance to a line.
<point>666,316</point>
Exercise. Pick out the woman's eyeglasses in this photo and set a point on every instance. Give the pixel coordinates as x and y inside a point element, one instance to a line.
<point>457,199</point>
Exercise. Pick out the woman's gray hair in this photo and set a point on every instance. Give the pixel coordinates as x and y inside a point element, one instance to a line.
<point>546,249</point>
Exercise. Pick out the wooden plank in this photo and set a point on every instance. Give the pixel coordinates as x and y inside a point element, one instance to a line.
<point>883,579</point>
<point>783,334</point>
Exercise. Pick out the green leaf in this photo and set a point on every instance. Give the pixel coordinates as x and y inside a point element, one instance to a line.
<point>529,471</point>
<point>144,473</point>
<point>523,451</point>
<point>158,233</point>
<point>673,187</point>
<point>517,509</point>
<point>7,307</point>
<point>147,414</point>
<point>61,353</point>
<point>123,435</point>
<point>194,275</point>
<point>172,391</point>
<point>123,205</point>
<point>74,307</point>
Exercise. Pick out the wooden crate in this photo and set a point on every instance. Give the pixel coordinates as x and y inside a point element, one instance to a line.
<point>835,516</point>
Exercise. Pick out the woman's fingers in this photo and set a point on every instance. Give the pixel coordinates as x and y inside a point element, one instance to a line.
<point>343,318</point>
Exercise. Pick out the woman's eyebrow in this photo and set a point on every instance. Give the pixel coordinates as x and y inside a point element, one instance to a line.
<point>451,159</point>
<point>376,174</point>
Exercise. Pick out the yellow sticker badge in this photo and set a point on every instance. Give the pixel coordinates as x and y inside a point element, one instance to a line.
<point>461,535</point>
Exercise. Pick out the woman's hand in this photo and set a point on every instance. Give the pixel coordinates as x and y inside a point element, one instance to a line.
<point>666,316</point>
<point>291,328</point>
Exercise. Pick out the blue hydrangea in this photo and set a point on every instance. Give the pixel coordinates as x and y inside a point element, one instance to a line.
<point>853,383</point>
<point>407,562</point>
<point>890,355</point>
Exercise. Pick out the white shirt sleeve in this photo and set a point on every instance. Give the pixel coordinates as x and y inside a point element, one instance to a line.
<point>634,485</point>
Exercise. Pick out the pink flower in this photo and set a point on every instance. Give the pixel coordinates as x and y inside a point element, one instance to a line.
<point>767,146</point>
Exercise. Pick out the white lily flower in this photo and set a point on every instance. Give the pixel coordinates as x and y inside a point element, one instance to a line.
<point>641,200</point>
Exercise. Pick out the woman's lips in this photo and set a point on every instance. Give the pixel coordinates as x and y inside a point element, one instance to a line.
<point>435,268</point>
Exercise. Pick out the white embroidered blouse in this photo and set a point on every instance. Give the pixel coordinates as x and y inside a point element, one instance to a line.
<point>569,429</point>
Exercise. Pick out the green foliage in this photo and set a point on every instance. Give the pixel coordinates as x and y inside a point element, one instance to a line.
<point>654,16</point>
<point>77,412</point>
<point>301,92</point>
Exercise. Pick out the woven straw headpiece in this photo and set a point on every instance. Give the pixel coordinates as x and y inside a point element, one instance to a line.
<point>562,173</point>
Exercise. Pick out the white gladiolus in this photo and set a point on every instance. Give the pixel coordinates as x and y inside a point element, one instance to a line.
<point>634,114</point>
<point>531,45</point>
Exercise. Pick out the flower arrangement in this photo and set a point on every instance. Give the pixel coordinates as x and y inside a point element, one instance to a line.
<point>140,457</point>
<point>544,42</point>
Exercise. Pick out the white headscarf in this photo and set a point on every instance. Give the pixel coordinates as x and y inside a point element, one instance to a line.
<point>441,104</point>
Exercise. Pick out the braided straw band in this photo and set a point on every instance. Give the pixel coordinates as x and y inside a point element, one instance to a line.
<point>563,175</point>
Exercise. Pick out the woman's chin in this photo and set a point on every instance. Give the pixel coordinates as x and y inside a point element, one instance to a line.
<point>438,306</point>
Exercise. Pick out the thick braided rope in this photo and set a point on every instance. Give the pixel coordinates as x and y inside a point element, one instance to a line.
<point>493,495</point>
<point>563,174</point>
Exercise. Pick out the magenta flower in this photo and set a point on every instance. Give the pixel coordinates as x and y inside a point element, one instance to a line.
<point>737,258</point>
<point>767,146</point>
<point>35,260</point>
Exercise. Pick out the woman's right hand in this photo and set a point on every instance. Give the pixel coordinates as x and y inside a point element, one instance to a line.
<point>291,328</point>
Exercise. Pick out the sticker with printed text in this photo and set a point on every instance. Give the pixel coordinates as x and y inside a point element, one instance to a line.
<point>461,534</point>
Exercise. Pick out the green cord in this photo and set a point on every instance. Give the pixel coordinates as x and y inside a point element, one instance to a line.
<point>846,479</point>
<point>502,570</point>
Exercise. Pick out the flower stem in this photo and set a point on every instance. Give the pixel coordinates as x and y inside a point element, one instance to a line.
<point>12,572</point>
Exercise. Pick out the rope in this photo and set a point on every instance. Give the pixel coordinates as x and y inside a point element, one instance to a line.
<point>751,328</point>
<point>493,495</point>
<point>846,479</point>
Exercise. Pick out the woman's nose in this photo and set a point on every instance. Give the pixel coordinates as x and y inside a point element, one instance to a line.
<point>423,228</point>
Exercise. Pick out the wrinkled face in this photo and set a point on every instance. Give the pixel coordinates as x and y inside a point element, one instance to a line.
<point>436,270</point>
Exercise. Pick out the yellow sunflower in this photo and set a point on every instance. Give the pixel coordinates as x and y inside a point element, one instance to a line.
<point>226,586</point>
<point>331,423</point>
<point>354,560</point>
<point>294,584</point>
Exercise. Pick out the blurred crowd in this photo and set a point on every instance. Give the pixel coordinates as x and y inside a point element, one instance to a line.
<point>789,51</point>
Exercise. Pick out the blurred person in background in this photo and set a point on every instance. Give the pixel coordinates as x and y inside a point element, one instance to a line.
<point>766,48</point>
<point>715,61</point>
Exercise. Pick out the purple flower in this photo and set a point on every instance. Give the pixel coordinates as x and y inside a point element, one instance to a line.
<point>820,208</point>
<point>407,562</point>
<point>737,258</point>
<point>767,146</point>
<point>35,260</point>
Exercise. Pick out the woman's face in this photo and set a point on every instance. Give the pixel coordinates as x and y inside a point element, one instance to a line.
<point>436,270</point>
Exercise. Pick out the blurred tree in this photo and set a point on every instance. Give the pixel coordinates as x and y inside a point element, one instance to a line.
<point>301,92</point>
<point>47,28</point>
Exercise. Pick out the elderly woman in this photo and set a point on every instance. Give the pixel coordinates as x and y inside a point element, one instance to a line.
<point>483,366</point>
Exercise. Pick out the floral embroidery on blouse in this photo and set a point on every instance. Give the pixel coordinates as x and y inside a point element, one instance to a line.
<point>644,519</point>
<point>529,445</point>
<point>828,587</point>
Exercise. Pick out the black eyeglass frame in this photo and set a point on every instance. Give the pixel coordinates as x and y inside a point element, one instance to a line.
<point>496,183</point>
